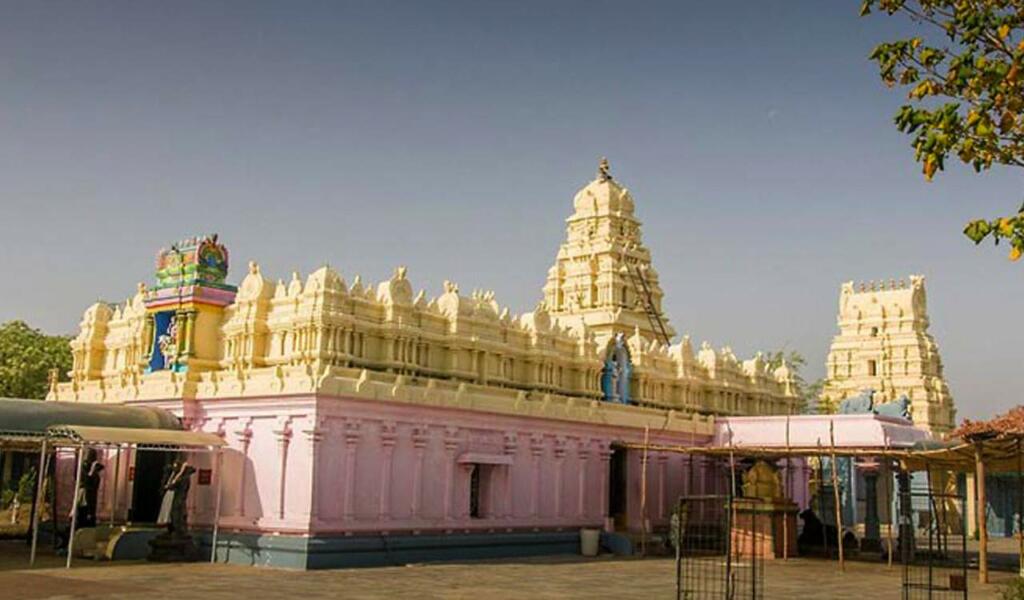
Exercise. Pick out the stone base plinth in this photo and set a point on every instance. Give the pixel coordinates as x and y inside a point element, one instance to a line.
<point>762,528</point>
<point>173,548</point>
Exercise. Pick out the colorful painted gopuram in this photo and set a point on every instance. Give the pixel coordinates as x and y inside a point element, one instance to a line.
<point>367,420</point>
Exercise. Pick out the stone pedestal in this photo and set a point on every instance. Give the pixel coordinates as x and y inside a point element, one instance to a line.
<point>762,527</point>
<point>173,548</point>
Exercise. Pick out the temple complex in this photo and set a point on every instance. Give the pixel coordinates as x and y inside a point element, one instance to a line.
<point>884,346</point>
<point>355,411</point>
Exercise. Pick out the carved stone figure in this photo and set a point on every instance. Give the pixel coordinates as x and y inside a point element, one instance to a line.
<point>89,493</point>
<point>762,481</point>
<point>617,371</point>
<point>899,408</point>
<point>175,488</point>
<point>860,404</point>
<point>168,342</point>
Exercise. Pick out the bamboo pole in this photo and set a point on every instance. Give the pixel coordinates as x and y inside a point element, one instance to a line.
<point>835,494</point>
<point>39,501</point>
<point>643,492</point>
<point>888,498</point>
<point>74,506</point>
<point>982,517</point>
<point>1020,512</point>
<point>785,515</point>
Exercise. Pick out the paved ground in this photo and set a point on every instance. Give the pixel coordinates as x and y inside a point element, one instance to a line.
<point>619,579</point>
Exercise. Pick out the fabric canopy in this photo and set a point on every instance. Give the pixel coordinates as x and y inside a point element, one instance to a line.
<point>81,434</point>
<point>26,420</point>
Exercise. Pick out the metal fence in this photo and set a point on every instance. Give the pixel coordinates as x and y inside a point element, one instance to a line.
<point>719,549</point>
<point>932,545</point>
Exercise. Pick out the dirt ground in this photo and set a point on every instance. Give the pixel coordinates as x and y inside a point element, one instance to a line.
<point>551,578</point>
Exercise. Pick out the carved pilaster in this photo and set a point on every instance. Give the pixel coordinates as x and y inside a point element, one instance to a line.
<point>451,444</point>
<point>352,435</point>
<point>283,436</point>
<point>583,454</point>
<point>509,448</point>
<point>536,453</point>
<point>244,436</point>
<point>604,454</point>
<point>314,436</point>
<point>420,438</point>
<point>558,451</point>
<point>388,437</point>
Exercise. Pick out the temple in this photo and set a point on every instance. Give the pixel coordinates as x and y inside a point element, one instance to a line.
<point>358,413</point>
<point>885,353</point>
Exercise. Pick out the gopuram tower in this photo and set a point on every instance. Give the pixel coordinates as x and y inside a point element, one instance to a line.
<point>884,345</point>
<point>602,282</point>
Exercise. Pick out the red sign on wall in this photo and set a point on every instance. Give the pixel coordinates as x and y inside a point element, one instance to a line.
<point>205,476</point>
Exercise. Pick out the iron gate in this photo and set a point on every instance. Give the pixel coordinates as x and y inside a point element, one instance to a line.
<point>718,548</point>
<point>932,544</point>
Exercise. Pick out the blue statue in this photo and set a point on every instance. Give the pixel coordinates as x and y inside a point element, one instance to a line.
<point>899,408</point>
<point>617,370</point>
<point>858,405</point>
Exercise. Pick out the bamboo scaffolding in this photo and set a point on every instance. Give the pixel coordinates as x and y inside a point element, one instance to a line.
<point>835,494</point>
<point>980,509</point>
<point>789,491</point>
<point>888,498</point>
<point>643,492</point>
<point>1020,511</point>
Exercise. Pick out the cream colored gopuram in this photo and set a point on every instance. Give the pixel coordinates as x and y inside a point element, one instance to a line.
<point>599,334</point>
<point>884,345</point>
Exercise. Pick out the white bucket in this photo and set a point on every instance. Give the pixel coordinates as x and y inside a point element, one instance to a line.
<point>590,542</point>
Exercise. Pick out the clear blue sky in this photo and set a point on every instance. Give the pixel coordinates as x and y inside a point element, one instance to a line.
<point>450,136</point>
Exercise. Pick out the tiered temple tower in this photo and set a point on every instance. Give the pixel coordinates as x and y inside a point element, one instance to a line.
<point>602,280</point>
<point>884,345</point>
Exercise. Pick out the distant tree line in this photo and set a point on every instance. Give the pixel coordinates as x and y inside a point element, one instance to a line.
<point>27,355</point>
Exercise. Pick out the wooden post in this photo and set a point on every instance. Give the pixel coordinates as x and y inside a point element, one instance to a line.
<point>835,495</point>
<point>789,487</point>
<point>1020,512</point>
<point>889,499</point>
<point>643,493</point>
<point>74,506</point>
<point>979,475</point>
<point>38,501</point>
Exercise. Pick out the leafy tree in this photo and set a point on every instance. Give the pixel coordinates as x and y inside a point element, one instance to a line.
<point>808,392</point>
<point>965,85</point>
<point>26,357</point>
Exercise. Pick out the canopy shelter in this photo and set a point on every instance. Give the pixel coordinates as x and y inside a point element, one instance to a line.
<point>81,437</point>
<point>774,438</point>
<point>33,425</point>
<point>24,423</point>
<point>976,448</point>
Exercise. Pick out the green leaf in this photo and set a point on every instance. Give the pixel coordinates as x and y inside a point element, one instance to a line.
<point>978,230</point>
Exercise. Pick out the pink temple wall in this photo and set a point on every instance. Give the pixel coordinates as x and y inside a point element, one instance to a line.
<point>341,466</point>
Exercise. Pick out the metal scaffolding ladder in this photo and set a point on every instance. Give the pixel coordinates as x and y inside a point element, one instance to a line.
<point>646,298</point>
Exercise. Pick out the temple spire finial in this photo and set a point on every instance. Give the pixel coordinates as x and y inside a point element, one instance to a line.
<point>604,170</point>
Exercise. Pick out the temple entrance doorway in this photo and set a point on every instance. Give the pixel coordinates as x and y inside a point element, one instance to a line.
<point>617,487</point>
<point>147,487</point>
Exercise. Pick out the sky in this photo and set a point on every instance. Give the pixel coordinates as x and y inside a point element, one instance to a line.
<point>451,136</point>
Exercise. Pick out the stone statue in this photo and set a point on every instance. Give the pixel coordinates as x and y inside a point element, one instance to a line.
<point>762,482</point>
<point>168,342</point>
<point>861,404</point>
<point>89,493</point>
<point>604,171</point>
<point>172,509</point>
<point>899,408</point>
<point>617,370</point>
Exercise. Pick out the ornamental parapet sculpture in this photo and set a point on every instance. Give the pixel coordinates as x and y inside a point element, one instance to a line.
<point>589,338</point>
